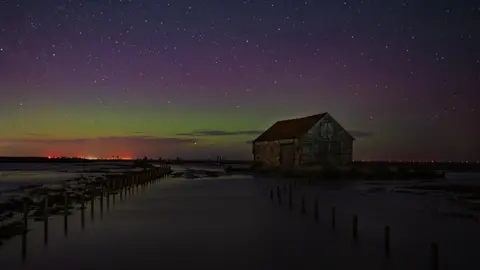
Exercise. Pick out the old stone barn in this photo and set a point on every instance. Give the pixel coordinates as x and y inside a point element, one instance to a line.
<point>311,140</point>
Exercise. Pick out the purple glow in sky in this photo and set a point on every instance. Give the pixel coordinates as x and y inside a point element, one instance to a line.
<point>201,78</point>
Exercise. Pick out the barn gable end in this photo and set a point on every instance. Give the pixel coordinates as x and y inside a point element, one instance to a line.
<point>303,141</point>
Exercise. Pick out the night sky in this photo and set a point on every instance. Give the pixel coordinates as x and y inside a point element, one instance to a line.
<point>202,78</point>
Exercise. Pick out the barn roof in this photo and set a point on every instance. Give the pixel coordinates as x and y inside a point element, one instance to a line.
<point>289,129</point>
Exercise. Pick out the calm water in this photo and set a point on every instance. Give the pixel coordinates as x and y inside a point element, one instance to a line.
<point>221,223</point>
<point>229,222</point>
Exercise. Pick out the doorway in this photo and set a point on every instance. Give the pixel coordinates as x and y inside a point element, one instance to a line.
<point>287,155</point>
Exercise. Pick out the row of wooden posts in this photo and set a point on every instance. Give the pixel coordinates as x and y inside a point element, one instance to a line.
<point>303,209</point>
<point>124,185</point>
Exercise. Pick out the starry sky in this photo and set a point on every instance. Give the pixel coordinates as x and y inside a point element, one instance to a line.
<point>198,79</point>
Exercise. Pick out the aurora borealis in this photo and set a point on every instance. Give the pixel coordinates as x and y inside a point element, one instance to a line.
<point>198,79</point>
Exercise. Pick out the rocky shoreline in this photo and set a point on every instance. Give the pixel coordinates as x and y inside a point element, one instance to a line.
<point>38,202</point>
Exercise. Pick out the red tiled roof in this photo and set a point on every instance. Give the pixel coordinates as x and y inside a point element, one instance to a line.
<point>289,129</point>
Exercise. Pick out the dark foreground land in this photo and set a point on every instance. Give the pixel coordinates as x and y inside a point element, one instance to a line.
<point>231,222</point>
<point>39,202</point>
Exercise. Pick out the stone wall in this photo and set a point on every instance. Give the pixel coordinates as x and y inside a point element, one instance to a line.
<point>268,153</point>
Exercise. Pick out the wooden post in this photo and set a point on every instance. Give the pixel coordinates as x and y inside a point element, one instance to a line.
<point>92,207</point>
<point>82,202</point>
<point>355,227</point>
<point>134,185</point>
<point>102,191</point>
<point>333,217</point>
<point>45,221</point>
<point>304,210</point>
<point>139,184</point>
<point>107,195</point>
<point>271,194</point>
<point>434,254</point>
<point>65,215</point>
<point>25,230</point>
<point>315,210</point>
<point>82,214</point>
<point>387,240</point>
<point>25,216</point>
<point>120,189</point>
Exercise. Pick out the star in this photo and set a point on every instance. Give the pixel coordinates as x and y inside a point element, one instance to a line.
<point>201,63</point>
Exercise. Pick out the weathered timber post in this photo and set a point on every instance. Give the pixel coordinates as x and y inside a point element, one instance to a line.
<point>92,206</point>
<point>82,200</point>
<point>65,214</point>
<point>271,194</point>
<point>45,221</point>
<point>138,183</point>
<point>315,209</point>
<point>113,197</point>
<point>82,208</point>
<point>101,200</point>
<point>25,216</point>
<point>126,188</point>
<point>120,188</point>
<point>107,196</point>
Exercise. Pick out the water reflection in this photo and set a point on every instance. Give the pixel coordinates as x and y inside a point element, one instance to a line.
<point>45,222</point>
<point>24,246</point>
<point>92,208</point>
<point>82,218</point>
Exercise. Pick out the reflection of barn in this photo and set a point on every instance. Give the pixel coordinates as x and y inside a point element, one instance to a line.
<point>316,139</point>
